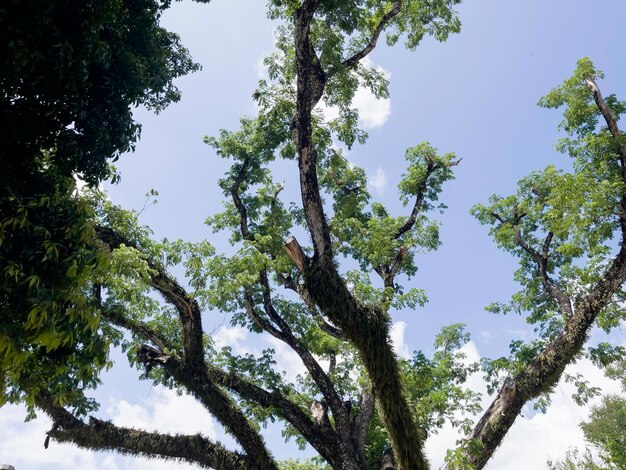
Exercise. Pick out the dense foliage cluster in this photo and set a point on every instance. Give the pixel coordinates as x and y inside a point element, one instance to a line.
<point>71,73</point>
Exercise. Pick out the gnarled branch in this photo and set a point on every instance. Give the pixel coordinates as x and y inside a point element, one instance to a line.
<point>103,435</point>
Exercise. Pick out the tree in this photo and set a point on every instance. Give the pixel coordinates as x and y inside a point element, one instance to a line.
<point>70,74</point>
<point>366,406</point>
<point>604,431</point>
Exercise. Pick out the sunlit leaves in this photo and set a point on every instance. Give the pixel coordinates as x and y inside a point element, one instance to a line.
<point>568,218</point>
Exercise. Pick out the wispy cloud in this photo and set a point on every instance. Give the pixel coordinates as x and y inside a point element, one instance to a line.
<point>397,339</point>
<point>378,182</point>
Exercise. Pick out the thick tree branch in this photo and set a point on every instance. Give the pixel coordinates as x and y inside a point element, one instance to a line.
<point>281,330</point>
<point>322,438</point>
<point>102,435</point>
<point>173,293</point>
<point>382,24</point>
<point>366,326</point>
<point>214,399</point>
<point>545,370</point>
<point>191,371</point>
<point>294,251</point>
<point>311,81</point>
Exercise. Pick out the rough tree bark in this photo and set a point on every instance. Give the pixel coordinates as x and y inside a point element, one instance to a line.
<point>367,327</point>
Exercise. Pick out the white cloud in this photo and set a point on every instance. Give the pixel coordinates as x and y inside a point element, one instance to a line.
<point>286,358</point>
<point>373,112</point>
<point>549,435</point>
<point>261,69</point>
<point>378,182</point>
<point>21,444</point>
<point>164,410</point>
<point>397,339</point>
<point>234,336</point>
<point>486,336</point>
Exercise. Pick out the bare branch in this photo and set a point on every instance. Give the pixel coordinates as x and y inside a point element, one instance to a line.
<point>362,420</point>
<point>546,245</point>
<point>431,167</point>
<point>606,112</point>
<point>496,217</point>
<point>419,201</point>
<point>382,24</point>
<point>390,274</point>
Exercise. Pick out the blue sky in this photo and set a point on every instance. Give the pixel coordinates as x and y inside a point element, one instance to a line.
<point>474,95</point>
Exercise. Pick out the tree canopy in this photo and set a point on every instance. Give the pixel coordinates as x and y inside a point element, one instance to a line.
<point>323,276</point>
<point>71,73</point>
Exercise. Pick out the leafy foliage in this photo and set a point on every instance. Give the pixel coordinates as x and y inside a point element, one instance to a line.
<point>567,218</point>
<point>82,275</point>
<point>70,74</point>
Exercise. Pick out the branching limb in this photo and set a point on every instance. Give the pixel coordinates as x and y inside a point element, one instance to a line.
<point>322,438</point>
<point>361,421</point>
<point>139,328</point>
<point>431,167</point>
<point>103,435</point>
<point>284,333</point>
<point>173,293</point>
<point>311,81</point>
<point>304,294</point>
<point>214,399</point>
<point>611,122</point>
<point>191,371</point>
<point>541,258</point>
<point>546,369</point>
<point>563,301</point>
<point>367,327</point>
<point>382,24</point>
<point>388,272</point>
